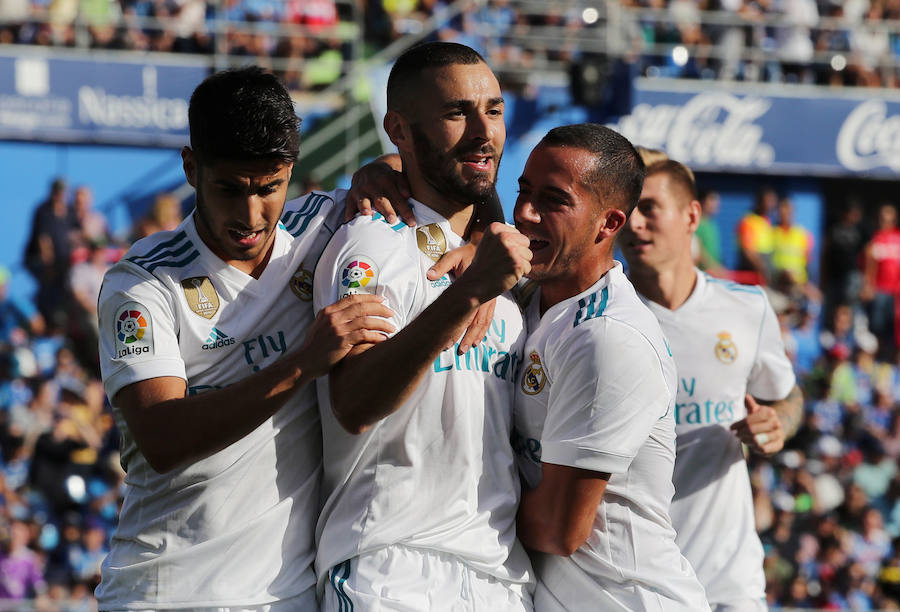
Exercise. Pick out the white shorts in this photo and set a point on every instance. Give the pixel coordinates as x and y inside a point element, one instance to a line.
<point>401,579</point>
<point>304,602</point>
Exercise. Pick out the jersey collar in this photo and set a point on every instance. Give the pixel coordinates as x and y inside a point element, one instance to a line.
<point>426,216</point>
<point>241,280</point>
<point>609,277</point>
<point>694,298</point>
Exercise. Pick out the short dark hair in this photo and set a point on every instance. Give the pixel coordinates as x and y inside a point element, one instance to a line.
<point>402,81</point>
<point>618,173</point>
<point>678,174</point>
<point>241,114</point>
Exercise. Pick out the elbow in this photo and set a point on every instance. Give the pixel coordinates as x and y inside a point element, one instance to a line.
<point>567,543</point>
<point>349,420</point>
<point>562,543</point>
<point>349,409</point>
<point>354,428</point>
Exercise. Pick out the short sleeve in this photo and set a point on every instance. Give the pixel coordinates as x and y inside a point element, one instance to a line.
<point>367,255</point>
<point>138,330</point>
<point>772,375</point>
<point>607,390</point>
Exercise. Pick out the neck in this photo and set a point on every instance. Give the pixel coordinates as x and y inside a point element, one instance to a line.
<point>555,290</point>
<point>459,214</point>
<point>669,285</point>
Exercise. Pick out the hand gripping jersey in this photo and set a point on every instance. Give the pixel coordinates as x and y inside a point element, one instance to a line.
<point>726,342</point>
<point>438,473</point>
<point>236,528</point>
<point>597,392</point>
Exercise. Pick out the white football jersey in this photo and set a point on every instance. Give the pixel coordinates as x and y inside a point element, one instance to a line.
<point>726,342</point>
<point>597,392</point>
<point>235,528</point>
<point>438,473</point>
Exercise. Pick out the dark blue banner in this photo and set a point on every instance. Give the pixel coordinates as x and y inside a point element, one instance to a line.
<point>759,128</point>
<point>53,97</point>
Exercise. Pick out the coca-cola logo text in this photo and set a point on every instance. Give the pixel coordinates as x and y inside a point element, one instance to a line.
<point>712,129</point>
<point>869,138</point>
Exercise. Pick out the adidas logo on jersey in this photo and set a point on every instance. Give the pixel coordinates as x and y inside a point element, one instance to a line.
<point>217,339</point>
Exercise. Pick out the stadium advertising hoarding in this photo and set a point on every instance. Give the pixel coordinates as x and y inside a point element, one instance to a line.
<point>50,97</point>
<point>752,128</point>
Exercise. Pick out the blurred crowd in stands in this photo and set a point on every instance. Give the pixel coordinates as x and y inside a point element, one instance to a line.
<point>828,506</point>
<point>311,42</point>
<point>60,478</point>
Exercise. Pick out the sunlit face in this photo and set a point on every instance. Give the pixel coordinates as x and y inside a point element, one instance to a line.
<point>659,228</point>
<point>557,211</point>
<point>239,204</point>
<point>457,131</point>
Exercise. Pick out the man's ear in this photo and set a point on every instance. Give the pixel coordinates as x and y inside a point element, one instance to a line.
<point>610,222</point>
<point>189,163</point>
<point>397,129</point>
<point>695,213</point>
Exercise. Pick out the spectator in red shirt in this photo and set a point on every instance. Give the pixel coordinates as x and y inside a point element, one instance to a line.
<point>881,284</point>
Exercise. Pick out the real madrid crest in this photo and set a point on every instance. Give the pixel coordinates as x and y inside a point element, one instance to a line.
<point>726,351</point>
<point>201,296</point>
<point>534,379</point>
<point>301,284</point>
<point>431,240</point>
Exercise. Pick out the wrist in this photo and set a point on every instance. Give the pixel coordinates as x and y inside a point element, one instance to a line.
<point>470,291</point>
<point>464,296</point>
<point>299,369</point>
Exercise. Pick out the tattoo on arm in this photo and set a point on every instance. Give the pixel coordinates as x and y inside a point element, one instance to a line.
<point>790,411</point>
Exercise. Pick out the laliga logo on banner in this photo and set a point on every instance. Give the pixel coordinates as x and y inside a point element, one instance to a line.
<point>711,129</point>
<point>869,138</point>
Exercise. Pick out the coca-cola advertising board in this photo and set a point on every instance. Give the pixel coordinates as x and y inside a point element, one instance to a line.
<point>775,129</point>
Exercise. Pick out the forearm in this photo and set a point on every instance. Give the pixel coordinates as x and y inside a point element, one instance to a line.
<point>398,364</point>
<point>179,430</point>
<point>790,412</point>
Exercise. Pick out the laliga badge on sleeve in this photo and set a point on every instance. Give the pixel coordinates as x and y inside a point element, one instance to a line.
<point>134,331</point>
<point>358,274</point>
